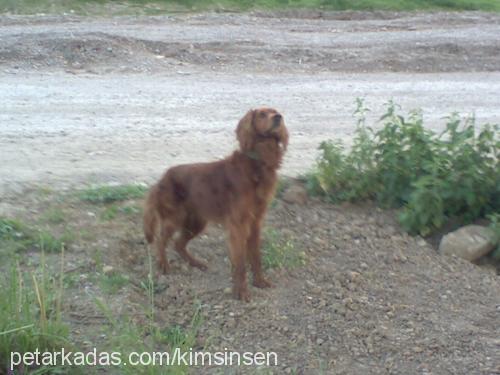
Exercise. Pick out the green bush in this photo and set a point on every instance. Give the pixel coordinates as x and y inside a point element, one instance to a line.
<point>433,177</point>
<point>495,228</point>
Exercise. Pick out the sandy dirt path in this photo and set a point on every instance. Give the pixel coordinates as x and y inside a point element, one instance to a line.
<point>120,99</point>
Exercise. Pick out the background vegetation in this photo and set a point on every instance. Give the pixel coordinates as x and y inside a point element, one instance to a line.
<point>434,178</point>
<point>158,6</point>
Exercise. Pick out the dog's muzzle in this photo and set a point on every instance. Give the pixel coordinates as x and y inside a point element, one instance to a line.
<point>276,121</point>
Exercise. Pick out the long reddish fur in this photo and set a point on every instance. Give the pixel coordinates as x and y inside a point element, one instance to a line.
<point>234,191</point>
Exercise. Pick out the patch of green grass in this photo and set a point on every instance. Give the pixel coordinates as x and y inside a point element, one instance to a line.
<point>163,6</point>
<point>130,210</point>
<point>30,313</point>
<point>433,177</point>
<point>16,236</point>
<point>112,211</point>
<point>54,216</point>
<point>109,194</point>
<point>112,283</point>
<point>49,243</point>
<point>109,213</point>
<point>71,279</point>
<point>279,251</point>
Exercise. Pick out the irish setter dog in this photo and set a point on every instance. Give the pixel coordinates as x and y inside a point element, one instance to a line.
<point>234,191</point>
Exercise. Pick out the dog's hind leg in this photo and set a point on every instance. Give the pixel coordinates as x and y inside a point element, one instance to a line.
<point>161,242</point>
<point>192,227</point>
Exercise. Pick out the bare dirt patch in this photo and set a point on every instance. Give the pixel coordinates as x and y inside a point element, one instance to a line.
<point>260,42</point>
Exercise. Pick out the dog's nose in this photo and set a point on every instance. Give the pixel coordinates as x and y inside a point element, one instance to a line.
<point>277,120</point>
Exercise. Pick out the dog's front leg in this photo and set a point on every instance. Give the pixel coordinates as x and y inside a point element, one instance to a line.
<point>237,252</point>
<point>254,257</point>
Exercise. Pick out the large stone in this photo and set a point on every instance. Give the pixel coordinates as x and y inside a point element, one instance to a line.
<point>470,242</point>
<point>295,194</point>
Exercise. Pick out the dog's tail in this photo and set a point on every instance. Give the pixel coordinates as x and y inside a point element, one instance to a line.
<point>150,218</point>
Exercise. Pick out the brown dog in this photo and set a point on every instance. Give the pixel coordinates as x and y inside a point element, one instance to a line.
<point>234,191</point>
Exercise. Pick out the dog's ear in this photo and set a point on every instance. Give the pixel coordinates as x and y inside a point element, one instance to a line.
<point>245,131</point>
<point>284,138</point>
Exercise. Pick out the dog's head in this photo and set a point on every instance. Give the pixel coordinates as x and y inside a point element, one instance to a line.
<point>259,127</point>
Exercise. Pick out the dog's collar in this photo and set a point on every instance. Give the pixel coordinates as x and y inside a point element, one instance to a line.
<point>252,155</point>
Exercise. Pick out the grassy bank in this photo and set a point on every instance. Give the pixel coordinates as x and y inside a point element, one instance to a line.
<point>154,7</point>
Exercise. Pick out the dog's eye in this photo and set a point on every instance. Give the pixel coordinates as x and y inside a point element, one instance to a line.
<point>262,115</point>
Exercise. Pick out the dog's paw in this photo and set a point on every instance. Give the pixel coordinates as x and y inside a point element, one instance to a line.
<point>262,283</point>
<point>242,294</point>
<point>164,268</point>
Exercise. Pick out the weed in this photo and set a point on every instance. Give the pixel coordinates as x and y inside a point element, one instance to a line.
<point>109,194</point>
<point>279,251</point>
<point>434,177</point>
<point>30,312</point>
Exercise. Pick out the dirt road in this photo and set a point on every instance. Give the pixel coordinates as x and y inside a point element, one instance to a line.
<point>119,99</point>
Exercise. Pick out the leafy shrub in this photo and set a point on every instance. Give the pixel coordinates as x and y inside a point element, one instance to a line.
<point>344,176</point>
<point>434,177</point>
<point>495,228</point>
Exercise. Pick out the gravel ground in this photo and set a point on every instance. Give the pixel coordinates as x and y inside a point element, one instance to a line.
<point>367,298</point>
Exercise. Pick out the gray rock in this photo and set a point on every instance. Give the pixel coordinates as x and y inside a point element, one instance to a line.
<point>108,270</point>
<point>470,242</point>
<point>295,194</point>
